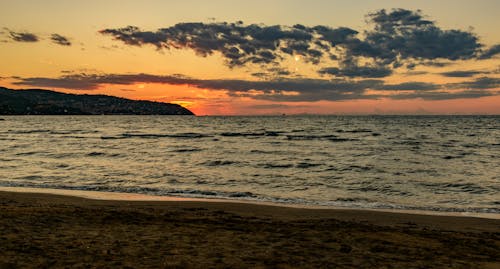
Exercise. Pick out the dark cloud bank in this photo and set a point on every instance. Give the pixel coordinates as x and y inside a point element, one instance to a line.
<point>284,89</point>
<point>397,38</point>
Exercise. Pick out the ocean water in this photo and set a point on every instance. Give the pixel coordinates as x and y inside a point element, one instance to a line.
<point>436,163</point>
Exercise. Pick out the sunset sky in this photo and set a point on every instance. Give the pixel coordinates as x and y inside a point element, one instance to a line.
<point>261,57</point>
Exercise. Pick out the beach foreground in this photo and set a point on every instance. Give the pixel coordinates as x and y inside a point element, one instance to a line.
<point>44,230</point>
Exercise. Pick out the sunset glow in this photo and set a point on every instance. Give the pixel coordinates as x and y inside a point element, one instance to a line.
<point>255,57</point>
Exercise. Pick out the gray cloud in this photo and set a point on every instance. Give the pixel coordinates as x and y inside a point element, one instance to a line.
<point>405,34</point>
<point>399,37</point>
<point>483,83</point>
<point>272,72</point>
<point>415,73</point>
<point>274,106</point>
<point>60,40</point>
<point>239,44</point>
<point>436,63</point>
<point>84,81</point>
<point>279,90</point>
<point>461,74</point>
<point>409,86</point>
<point>491,52</point>
<point>444,95</point>
<point>23,37</point>
<point>365,71</point>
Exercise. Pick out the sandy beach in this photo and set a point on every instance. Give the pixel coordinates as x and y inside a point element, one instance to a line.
<point>54,231</point>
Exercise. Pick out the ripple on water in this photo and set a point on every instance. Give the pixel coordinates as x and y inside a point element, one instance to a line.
<point>303,159</point>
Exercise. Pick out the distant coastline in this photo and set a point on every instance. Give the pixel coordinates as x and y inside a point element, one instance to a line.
<point>46,102</point>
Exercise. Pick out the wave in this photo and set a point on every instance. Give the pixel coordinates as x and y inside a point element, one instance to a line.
<point>276,165</point>
<point>457,188</point>
<point>35,131</point>
<point>155,136</point>
<point>311,137</point>
<point>385,189</point>
<point>75,131</point>
<point>95,153</point>
<point>29,153</point>
<point>344,202</point>
<point>300,165</point>
<point>247,134</point>
<point>338,139</point>
<point>307,165</point>
<point>102,154</point>
<point>183,150</point>
<point>355,131</point>
<point>218,163</point>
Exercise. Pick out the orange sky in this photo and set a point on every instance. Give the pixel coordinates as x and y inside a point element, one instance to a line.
<point>92,54</point>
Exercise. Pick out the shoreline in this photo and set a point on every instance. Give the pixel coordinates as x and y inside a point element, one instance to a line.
<point>130,197</point>
<point>457,222</point>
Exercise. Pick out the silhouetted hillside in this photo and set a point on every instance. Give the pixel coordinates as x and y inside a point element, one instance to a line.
<point>44,102</point>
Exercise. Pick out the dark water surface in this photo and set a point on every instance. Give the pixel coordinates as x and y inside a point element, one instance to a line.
<point>437,163</point>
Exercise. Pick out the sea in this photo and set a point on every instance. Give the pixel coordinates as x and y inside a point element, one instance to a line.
<point>430,163</point>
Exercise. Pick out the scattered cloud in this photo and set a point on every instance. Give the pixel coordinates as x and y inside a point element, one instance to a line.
<point>272,72</point>
<point>409,86</point>
<point>60,40</point>
<point>239,44</point>
<point>350,64</point>
<point>483,83</point>
<point>462,74</point>
<point>394,39</point>
<point>436,63</point>
<point>365,71</point>
<point>415,73</point>
<point>397,38</point>
<point>23,37</point>
<point>406,34</point>
<point>491,52</point>
<point>31,37</point>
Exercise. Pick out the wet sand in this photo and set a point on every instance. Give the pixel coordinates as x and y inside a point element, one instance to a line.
<point>53,231</point>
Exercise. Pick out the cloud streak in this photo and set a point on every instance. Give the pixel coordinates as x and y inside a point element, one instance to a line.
<point>280,90</point>
<point>60,40</point>
<point>353,71</point>
<point>490,52</point>
<point>462,73</point>
<point>468,94</point>
<point>23,37</point>
<point>28,37</point>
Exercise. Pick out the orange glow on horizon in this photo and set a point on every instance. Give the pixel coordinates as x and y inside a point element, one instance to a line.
<point>218,102</point>
<point>212,83</point>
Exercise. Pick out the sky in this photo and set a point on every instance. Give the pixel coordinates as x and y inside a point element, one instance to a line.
<point>261,57</point>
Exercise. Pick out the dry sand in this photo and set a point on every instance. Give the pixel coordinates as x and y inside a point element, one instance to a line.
<point>52,231</point>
